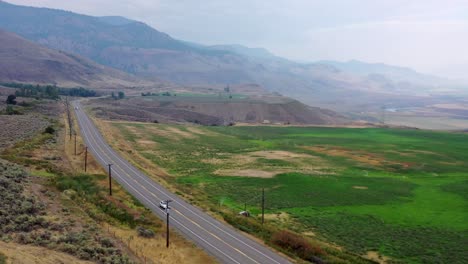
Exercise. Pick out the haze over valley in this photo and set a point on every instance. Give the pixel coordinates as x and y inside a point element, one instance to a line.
<point>233,132</point>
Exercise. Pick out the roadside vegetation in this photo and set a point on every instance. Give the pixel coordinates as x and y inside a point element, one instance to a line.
<point>24,220</point>
<point>385,194</point>
<point>48,202</point>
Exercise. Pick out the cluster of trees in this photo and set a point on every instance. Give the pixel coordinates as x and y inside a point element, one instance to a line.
<point>31,90</point>
<point>81,92</point>
<point>48,91</point>
<point>158,94</point>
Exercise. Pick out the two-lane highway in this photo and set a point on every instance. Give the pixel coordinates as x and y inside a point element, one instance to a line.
<point>218,239</point>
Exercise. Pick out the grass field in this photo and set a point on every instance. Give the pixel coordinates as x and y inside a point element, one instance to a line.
<point>402,193</point>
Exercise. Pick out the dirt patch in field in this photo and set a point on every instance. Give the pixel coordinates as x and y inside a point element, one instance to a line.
<point>294,158</point>
<point>242,164</point>
<point>375,256</point>
<point>147,143</point>
<point>360,157</point>
<point>170,132</point>
<point>247,173</point>
<point>360,187</point>
<point>279,154</point>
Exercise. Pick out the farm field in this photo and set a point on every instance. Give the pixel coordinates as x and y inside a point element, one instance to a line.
<point>396,193</point>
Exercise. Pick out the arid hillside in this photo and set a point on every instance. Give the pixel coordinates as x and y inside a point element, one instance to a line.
<point>27,62</point>
<point>214,110</point>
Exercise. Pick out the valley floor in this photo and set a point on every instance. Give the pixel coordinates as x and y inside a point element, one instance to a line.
<point>393,195</point>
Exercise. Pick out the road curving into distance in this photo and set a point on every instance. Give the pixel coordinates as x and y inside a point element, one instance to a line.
<point>218,239</point>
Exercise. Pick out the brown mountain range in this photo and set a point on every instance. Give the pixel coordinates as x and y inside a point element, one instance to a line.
<point>27,62</point>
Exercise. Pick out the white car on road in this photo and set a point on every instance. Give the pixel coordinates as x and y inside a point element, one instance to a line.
<point>163,205</point>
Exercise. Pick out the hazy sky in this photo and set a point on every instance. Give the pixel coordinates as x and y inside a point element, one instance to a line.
<point>428,35</point>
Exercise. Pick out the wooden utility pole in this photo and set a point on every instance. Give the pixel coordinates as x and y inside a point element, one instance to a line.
<point>70,126</point>
<point>263,205</point>
<point>167,226</point>
<point>167,222</point>
<point>75,143</point>
<point>110,179</point>
<point>86,159</point>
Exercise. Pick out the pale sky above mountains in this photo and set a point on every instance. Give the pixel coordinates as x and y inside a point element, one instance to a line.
<point>428,35</point>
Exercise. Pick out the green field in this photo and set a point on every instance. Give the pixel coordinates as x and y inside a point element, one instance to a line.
<point>403,193</point>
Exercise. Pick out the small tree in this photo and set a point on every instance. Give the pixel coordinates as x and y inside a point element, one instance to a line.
<point>121,95</point>
<point>49,130</point>
<point>11,99</point>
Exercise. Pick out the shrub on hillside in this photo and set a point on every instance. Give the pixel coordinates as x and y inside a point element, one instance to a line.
<point>49,130</point>
<point>11,99</point>
<point>143,232</point>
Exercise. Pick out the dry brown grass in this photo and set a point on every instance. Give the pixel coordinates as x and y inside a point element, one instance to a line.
<point>24,254</point>
<point>375,256</point>
<point>280,154</point>
<point>172,133</point>
<point>67,147</point>
<point>360,157</point>
<point>283,217</point>
<point>360,187</point>
<point>247,173</point>
<point>153,250</point>
<point>241,164</point>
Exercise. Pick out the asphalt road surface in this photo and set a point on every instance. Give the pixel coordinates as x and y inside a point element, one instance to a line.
<point>218,239</point>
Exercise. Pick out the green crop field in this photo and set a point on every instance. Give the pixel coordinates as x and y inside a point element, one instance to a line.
<point>402,193</point>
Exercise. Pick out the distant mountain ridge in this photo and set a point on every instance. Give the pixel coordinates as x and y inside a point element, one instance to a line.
<point>139,49</point>
<point>243,50</point>
<point>395,73</point>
